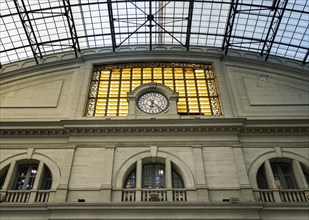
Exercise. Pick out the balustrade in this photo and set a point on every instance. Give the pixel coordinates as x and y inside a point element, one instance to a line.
<point>24,196</point>
<point>153,195</point>
<point>179,195</point>
<point>293,195</point>
<point>42,196</point>
<point>128,195</point>
<point>285,195</point>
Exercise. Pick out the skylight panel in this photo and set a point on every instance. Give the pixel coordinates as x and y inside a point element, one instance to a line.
<point>151,23</point>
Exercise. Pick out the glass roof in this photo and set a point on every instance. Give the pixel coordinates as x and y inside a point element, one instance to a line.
<point>36,28</point>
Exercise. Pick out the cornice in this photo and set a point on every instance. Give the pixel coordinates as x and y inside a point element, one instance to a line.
<point>159,53</point>
<point>68,128</point>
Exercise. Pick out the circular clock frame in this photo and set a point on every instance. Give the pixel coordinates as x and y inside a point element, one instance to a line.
<point>152,102</point>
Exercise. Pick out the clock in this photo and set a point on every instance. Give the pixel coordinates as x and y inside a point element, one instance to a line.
<point>152,102</point>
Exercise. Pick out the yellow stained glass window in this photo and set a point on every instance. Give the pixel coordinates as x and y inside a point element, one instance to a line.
<point>195,84</point>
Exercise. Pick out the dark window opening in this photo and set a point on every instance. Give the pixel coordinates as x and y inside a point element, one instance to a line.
<point>47,179</point>
<point>284,178</point>
<point>131,181</point>
<point>154,177</point>
<point>26,176</point>
<point>261,179</point>
<point>3,174</point>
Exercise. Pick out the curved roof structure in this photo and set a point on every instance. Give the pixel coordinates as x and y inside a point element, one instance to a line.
<point>36,28</point>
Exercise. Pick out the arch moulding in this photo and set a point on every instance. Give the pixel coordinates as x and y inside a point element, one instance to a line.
<point>257,163</point>
<point>53,167</point>
<point>183,169</point>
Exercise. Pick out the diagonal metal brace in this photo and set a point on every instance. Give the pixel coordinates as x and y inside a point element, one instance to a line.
<point>278,7</point>
<point>70,20</point>
<point>229,27</point>
<point>28,28</point>
<point>306,57</point>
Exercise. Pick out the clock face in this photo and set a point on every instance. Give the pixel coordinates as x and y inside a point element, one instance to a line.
<point>152,103</point>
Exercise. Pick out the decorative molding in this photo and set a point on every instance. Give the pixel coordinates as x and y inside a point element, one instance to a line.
<point>153,151</point>
<point>278,151</point>
<point>120,127</point>
<point>159,53</point>
<point>30,153</point>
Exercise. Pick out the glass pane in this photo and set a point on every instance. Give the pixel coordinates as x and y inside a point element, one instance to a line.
<point>47,179</point>
<point>3,174</point>
<point>26,177</point>
<point>284,178</point>
<point>261,178</point>
<point>154,176</point>
<point>117,80</point>
<point>131,181</point>
<point>177,181</point>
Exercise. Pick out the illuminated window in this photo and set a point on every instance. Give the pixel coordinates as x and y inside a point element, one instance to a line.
<point>195,84</point>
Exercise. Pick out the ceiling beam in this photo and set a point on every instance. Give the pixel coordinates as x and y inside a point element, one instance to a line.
<point>29,31</point>
<point>278,8</point>
<point>306,57</point>
<point>229,26</point>
<point>111,24</point>
<point>150,18</point>
<point>72,28</point>
<point>190,15</point>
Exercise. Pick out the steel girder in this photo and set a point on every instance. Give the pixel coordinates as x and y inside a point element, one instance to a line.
<point>28,28</point>
<point>72,28</point>
<point>111,24</point>
<point>31,34</point>
<point>278,7</point>
<point>229,26</point>
<point>190,14</point>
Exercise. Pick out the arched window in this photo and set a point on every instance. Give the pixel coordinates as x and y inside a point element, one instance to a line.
<point>26,175</point>
<point>282,174</point>
<point>154,182</point>
<point>154,177</point>
<point>282,180</point>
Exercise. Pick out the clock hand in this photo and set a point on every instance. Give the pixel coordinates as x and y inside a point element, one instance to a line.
<point>152,102</point>
<point>157,106</point>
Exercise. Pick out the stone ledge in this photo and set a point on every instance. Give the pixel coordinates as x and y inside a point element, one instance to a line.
<point>119,127</point>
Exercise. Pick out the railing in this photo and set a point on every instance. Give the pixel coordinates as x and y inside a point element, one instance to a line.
<point>265,195</point>
<point>128,195</point>
<point>24,196</point>
<point>154,195</point>
<point>16,196</point>
<point>42,196</point>
<point>179,195</point>
<point>281,195</point>
<point>293,195</point>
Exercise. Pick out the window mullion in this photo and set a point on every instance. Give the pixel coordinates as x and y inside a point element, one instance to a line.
<point>168,173</point>
<point>138,180</point>
<point>270,175</point>
<point>299,175</point>
<point>39,175</point>
<point>10,177</point>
